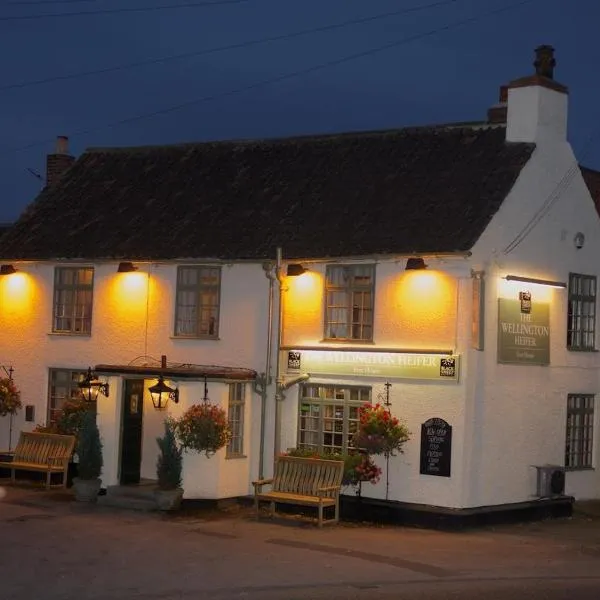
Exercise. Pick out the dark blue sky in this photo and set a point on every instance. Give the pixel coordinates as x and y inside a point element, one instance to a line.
<point>451,76</point>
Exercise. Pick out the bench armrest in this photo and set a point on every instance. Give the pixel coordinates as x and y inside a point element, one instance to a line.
<point>259,483</point>
<point>329,488</point>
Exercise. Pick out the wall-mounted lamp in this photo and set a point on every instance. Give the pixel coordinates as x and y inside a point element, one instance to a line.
<point>91,386</point>
<point>161,393</point>
<point>7,270</point>
<point>547,282</point>
<point>295,269</point>
<point>415,264</point>
<point>126,267</point>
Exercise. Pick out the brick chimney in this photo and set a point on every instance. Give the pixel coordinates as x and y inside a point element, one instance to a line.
<point>534,107</point>
<point>59,162</point>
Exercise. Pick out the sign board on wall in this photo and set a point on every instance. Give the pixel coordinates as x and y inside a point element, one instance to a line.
<point>523,332</point>
<point>374,364</point>
<point>436,448</point>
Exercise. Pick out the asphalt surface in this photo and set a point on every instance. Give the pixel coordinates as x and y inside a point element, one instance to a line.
<point>56,549</point>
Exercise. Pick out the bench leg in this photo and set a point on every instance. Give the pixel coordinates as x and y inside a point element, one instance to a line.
<point>320,514</point>
<point>336,518</point>
<point>12,476</point>
<point>48,479</point>
<point>272,510</point>
<point>256,507</point>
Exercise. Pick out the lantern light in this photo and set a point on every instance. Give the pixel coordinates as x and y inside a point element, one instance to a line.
<point>161,393</point>
<point>91,386</point>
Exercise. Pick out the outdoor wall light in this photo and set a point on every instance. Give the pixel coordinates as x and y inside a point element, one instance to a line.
<point>295,269</point>
<point>415,264</point>
<point>161,393</point>
<point>7,270</point>
<point>547,282</point>
<point>91,386</point>
<point>126,267</point>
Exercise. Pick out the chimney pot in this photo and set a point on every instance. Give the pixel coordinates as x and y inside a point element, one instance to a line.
<point>544,61</point>
<point>62,144</point>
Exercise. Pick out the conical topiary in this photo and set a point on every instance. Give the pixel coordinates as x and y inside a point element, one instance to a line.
<point>169,463</point>
<point>89,448</point>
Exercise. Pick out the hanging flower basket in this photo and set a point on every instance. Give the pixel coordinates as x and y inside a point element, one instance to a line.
<point>379,432</point>
<point>203,428</point>
<point>10,397</point>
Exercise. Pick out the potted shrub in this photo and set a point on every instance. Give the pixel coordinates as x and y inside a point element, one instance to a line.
<point>89,451</point>
<point>168,470</point>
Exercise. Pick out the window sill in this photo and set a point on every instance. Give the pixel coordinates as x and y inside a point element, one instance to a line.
<point>195,337</point>
<point>234,456</point>
<point>68,334</point>
<point>591,350</point>
<point>577,469</point>
<point>346,341</point>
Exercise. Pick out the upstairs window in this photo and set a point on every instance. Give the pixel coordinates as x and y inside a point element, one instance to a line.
<point>198,299</point>
<point>349,296</point>
<point>581,323</point>
<point>73,294</point>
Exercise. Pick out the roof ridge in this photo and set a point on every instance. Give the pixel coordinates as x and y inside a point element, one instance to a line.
<point>297,138</point>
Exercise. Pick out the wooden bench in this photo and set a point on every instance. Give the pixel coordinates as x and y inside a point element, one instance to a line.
<point>45,452</point>
<point>303,481</point>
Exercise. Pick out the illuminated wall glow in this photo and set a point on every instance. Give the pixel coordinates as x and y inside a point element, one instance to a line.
<point>303,307</point>
<point>128,294</point>
<point>511,289</point>
<point>425,309</point>
<point>17,295</point>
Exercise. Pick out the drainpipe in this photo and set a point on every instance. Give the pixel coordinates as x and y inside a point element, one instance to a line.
<point>278,376</point>
<point>264,380</point>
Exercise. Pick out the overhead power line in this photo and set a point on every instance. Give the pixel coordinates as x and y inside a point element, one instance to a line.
<point>126,9</point>
<point>285,76</point>
<point>236,46</point>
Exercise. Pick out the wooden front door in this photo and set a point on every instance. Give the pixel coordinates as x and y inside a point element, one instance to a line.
<point>131,432</point>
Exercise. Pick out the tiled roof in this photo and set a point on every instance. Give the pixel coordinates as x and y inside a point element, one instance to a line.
<point>592,180</point>
<point>428,189</point>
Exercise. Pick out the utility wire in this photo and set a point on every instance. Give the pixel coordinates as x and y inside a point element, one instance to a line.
<point>285,76</point>
<point>236,46</point>
<point>129,9</point>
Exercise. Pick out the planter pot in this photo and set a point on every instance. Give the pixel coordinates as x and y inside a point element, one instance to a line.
<point>86,490</point>
<point>168,499</point>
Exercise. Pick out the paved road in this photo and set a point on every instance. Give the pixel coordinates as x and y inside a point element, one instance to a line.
<point>55,549</point>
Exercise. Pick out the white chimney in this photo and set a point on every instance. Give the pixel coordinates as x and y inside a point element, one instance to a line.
<point>538,105</point>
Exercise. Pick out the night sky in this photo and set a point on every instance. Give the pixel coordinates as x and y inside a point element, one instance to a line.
<point>451,75</point>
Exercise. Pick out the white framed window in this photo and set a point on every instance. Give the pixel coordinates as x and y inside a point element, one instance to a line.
<point>581,321</point>
<point>349,291</point>
<point>579,448</point>
<point>73,300</point>
<point>235,415</point>
<point>197,302</point>
<point>62,386</point>
<point>328,416</point>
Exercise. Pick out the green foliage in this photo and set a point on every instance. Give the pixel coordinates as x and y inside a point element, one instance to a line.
<point>89,448</point>
<point>379,432</point>
<point>203,428</point>
<point>169,463</point>
<point>69,419</point>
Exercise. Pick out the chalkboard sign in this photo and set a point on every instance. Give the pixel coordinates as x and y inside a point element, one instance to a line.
<point>436,447</point>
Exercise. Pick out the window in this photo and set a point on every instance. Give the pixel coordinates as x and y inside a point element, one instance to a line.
<point>581,325</point>
<point>328,416</point>
<point>580,431</point>
<point>349,314</point>
<point>73,291</point>
<point>63,385</point>
<point>197,309</point>
<point>237,404</point>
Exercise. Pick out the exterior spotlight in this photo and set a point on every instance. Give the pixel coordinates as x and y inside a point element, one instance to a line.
<point>161,393</point>
<point>7,270</point>
<point>126,267</point>
<point>91,386</point>
<point>415,264</point>
<point>295,269</point>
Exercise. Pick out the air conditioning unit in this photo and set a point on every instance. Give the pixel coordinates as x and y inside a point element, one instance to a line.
<point>550,481</point>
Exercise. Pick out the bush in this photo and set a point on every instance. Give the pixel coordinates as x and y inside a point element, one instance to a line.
<point>89,448</point>
<point>69,419</point>
<point>379,432</point>
<point>169,463</point>
<point>10,397</point>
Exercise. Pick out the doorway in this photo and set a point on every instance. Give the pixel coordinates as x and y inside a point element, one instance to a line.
<point>131,431</point>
